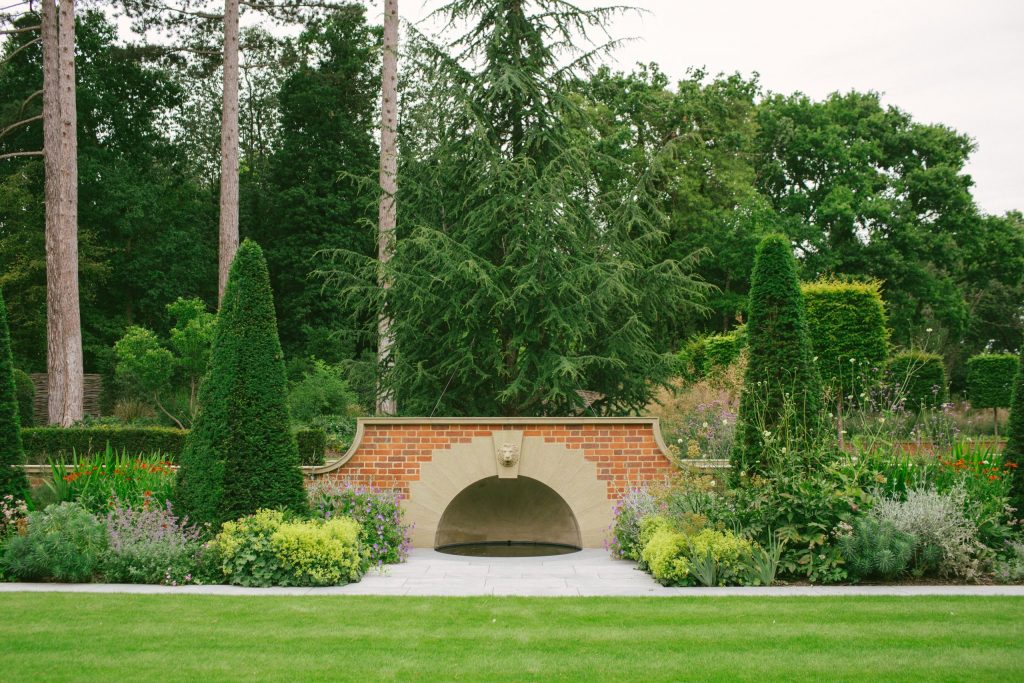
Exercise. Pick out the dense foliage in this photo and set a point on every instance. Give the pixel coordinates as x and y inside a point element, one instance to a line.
<point>64,443</point>
<point>241,454</point>
<point>265,549</point>
<point>847,326</point>
<point>705,354</point>
<point>12,455</point>
<point>26,393</point>
<point>782,391</point>
<point>917,379</point>
<point>990,379</point>
<point>102,480</point>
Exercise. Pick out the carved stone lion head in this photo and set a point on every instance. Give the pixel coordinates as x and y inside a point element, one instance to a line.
<point>508,454</point>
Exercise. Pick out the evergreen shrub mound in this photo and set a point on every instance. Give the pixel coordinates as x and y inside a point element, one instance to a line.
<point>918,378</point>
<point>1014,451</point>
<point>12,456</point>
<point>847,326</point>
<point>241,454</point>
<point>705,354</point>
<point>875,549</point>
<point>43,444</point>
<point>781,387</point>
<point>26,392</point>
<point>62,543</point>
<point>990,379</point>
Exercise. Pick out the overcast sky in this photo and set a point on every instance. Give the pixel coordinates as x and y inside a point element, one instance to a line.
<point>956,62</point>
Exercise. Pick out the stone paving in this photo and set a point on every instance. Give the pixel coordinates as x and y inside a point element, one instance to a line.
<point>590,572</point>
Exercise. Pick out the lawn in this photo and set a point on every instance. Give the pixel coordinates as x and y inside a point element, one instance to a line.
<point>61,636</point>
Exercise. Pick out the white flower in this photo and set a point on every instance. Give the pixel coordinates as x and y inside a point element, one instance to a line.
<point>705,425</point>
<point>680,440</point>
<point>725,422</point>
<point>783,450</point>
<point>928,330</point>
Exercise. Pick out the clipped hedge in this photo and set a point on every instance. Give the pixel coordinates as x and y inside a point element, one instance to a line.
<point>990,379</point>
<point>703,355</point>
<point>44,443</point>
<point>312,446</point>
<point>847,326</point>
<point>918,378</point>
<point>26,393</point>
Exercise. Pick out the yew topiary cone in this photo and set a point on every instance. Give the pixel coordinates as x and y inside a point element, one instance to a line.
<point>1014,451</point>
<point>241,454</point>
<point>12,456</point>
<point>781,389</point>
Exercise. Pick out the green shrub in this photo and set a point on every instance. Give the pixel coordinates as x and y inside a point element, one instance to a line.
<point>99,480</point>
<point>26,392</point>
<point>1010,569</point>
<point>705,354</point>
<point>918,379</point>
<point>876,549</point>
<point>322,390</point>
<point>62,543</point>
<point>265,550</point>
<point>43,444</point>
<point>847,327</point>
<point>312,445</point>
<point>241,454</point>
<point>990,379</point>
<point>780,367</point>
<point>383,535</point>
<point>13,480</point>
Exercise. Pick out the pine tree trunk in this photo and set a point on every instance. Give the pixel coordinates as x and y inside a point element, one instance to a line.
<point>387,217</point>
<point>60,144</point>
<point>229,148</point>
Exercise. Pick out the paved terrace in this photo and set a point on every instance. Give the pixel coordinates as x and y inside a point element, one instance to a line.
<point>590,572</point>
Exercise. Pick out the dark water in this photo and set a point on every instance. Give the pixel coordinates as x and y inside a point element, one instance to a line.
<point>507,549</point>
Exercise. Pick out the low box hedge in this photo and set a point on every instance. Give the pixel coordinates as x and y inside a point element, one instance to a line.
<point>52,443</point>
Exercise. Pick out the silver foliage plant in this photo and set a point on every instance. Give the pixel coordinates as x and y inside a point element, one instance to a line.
<point>946,538</point>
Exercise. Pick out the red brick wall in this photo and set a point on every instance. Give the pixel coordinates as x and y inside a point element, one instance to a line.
<point>389,456</point>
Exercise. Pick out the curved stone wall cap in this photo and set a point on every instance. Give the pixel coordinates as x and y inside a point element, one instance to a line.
<point>357,440</point>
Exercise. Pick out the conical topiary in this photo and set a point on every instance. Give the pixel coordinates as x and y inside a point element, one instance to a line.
<point>12,456</point>
<point>241,454</point>
<point>781,397</point>
<point>1014,451</point>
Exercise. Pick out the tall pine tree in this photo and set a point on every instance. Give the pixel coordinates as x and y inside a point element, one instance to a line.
<point>12,456</point>
<point>519,276</point>
<point>781,401</point>
<point>241,454</point>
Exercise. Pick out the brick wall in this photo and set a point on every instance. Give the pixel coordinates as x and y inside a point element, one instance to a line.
<point>390,453</point>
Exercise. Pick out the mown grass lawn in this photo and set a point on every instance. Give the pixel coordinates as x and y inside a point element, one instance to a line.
<point>61,636</point>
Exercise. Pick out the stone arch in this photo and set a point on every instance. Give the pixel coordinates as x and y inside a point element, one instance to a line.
<point>516,509</point>
<point>563,470</point>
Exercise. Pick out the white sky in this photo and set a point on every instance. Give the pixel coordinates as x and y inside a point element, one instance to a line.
<point>943,61</point>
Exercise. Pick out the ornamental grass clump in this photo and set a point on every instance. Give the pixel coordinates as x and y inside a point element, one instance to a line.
<point>64,542</point>
<point>148,543</point>
<point>383,535</point>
